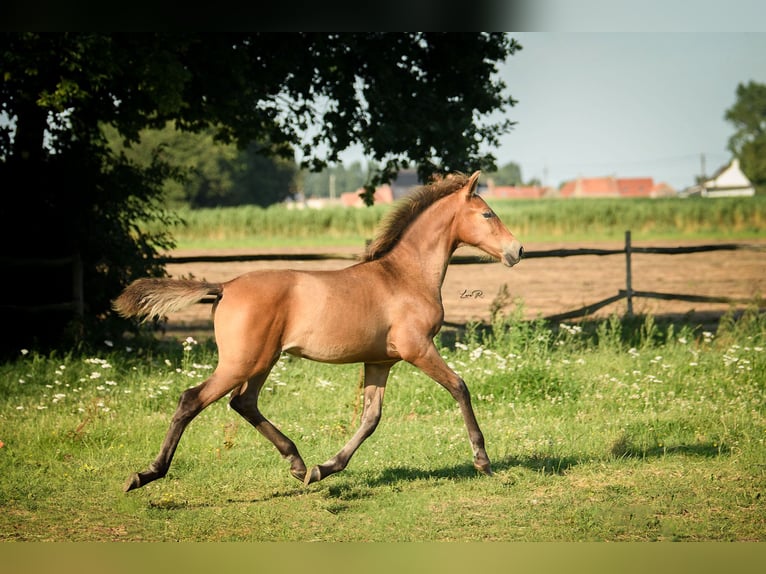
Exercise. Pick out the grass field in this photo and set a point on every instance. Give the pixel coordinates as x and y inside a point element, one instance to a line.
<point>547,220</point>
<point>609,431</point>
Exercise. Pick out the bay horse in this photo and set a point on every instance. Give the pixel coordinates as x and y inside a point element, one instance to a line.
<point>385,309</point>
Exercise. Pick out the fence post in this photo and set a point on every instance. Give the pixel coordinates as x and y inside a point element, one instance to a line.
<point>628,275</point>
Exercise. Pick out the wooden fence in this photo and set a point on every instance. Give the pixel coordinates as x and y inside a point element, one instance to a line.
<point>77,306</point>
<point>628,250</point>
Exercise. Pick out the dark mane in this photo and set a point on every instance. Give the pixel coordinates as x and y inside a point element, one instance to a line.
<point>407,210</point>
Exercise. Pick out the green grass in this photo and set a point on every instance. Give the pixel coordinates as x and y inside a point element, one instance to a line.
<point>532,221</point>
<point>614,430</point>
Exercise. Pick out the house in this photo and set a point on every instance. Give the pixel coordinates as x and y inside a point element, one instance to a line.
<point>615,187</point>
<point>635,187</point>
<point>663,189</point>
<point>728,181</point>
<point>402,185</point>
<point>383,194</point>
<point>590,187</point>
<point>513,191</point>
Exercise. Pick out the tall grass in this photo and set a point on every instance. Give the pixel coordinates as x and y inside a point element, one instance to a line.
<point>582,219</point>
<point>276,226</point>
<point>621,430</point>
<point>541,220</point>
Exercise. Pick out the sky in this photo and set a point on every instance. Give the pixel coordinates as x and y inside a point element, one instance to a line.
<point>625,104</point>
<point>623,88</point>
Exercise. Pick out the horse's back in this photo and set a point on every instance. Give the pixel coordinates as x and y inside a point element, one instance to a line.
<point>330,316</point>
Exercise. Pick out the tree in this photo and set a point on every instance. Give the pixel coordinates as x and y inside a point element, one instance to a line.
<point>748,114</point>
<point>429,98</point>
<point>509,174</point>
<point>211,173</point>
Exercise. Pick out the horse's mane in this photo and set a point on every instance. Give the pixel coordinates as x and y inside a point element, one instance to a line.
<point>408,209</point>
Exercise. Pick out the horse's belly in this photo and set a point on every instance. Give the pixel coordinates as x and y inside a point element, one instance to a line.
<point>338,343</point>
<point>337,354</point>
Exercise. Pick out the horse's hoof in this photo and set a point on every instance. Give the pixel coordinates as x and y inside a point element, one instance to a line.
<point>134,481</point>
<point>299,474</point>
<point>315,475</point>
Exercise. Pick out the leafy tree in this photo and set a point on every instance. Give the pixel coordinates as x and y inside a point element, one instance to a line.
<point>211,173</point>
<point>748,114</point>
<point>258,180</point>
<point>429,98</point>
<point>509,174</point>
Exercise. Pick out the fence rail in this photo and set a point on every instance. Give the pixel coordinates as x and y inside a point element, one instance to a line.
<point>627,250</point>
<point>461,259</point>
<point>629,293</point>
<point>77,303</point>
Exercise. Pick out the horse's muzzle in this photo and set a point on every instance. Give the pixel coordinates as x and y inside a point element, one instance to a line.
<point>513,254</point>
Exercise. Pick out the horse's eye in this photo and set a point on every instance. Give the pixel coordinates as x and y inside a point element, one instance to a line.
<point>488,215</point>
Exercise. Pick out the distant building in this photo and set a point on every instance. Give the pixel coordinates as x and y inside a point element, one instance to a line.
<point>615,187</point>
<point>383,194</point>
<point>405,181</point>
<point>728,181</point>
<point>514,191</point>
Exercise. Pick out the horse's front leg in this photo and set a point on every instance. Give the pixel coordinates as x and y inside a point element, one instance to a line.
<point>432,364</point>
<point>375,377</point>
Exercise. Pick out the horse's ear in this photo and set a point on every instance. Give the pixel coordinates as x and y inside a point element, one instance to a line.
<point>473,182</point>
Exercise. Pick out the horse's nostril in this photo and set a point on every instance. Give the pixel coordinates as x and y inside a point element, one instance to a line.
<point>521,252</point>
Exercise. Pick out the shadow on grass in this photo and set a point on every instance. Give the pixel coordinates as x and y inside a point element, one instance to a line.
<point>709,450</point>
<point>545,464</point>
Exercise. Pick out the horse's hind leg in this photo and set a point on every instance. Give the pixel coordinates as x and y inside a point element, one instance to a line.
<point>245,401</point>
<point>191,403</point>
<point>375,377</point>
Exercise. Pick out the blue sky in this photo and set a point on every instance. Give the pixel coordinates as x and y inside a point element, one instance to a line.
<point>632,104</point>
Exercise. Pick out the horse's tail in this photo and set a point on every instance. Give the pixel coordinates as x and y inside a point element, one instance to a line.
<point>157,297</point>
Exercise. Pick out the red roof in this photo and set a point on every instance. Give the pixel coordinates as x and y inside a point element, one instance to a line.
<point>608,187</point>
<point>514,192</point>
<point>383,194</point>
<point>636,187</point>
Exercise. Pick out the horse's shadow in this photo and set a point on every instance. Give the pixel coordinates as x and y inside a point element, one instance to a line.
<point>537,463</point>
<point>338,488</point>
<point>459,472</point>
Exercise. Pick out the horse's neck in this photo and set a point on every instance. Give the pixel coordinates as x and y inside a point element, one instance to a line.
<point>426,247</point>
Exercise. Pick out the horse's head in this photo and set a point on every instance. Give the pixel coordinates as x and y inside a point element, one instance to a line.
<point>477,225</point>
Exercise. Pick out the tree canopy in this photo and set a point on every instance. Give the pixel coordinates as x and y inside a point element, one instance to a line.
<point>211,173</point>
<point>748,114</point>
<point>428,98</point>
<point>508,174</point>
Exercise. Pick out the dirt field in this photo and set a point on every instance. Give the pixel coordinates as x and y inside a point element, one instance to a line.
<point>546,286</point>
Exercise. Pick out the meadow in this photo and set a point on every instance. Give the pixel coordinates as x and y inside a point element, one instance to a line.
<point>621,429</point>
<point>613,430</point>
<point>534,220</point>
